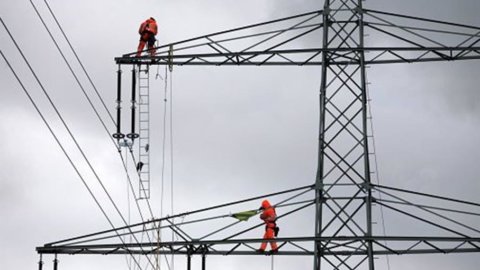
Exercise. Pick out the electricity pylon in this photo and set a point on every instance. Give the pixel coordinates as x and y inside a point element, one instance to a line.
<point>342,194</point>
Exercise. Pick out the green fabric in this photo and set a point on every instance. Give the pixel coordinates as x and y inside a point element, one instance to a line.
<point>244,216</point>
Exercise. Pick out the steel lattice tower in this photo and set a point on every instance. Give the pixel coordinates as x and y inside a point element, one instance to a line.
<point>343,193</point>
<point>343,162</point>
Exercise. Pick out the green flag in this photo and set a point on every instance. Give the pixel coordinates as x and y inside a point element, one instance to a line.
<point>244,216</point>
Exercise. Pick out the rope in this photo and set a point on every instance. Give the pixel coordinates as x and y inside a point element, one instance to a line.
<point>375,162</point>
<point>162,187</point>
<point>158,73</point>
<point>164,135</point>
<point>171,161</point>
<point>167,125</point>
<point>163,170</point>
<point>129,260</point>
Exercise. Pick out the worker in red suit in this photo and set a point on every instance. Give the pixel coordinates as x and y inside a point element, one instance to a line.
<point>147,31</point>
<point>271,230</point>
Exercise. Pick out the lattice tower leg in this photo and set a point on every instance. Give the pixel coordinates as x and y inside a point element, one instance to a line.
<point>343,196</point>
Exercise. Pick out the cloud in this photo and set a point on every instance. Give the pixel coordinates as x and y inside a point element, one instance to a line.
<point>238,131</point>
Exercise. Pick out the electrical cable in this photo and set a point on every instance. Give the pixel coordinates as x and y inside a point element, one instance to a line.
<point>82,88</point>
<point>205,219</point>
<point>86,95</point>
<point>61,147</point>
<point>162,191</point>
<point>67,128</point>
<point>142,187</point>
<point>184,214</point>
<point>80,62</point>
<point>69,66</point>
<point>306,204</point>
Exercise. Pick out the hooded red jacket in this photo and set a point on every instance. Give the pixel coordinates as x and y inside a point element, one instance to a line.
<point>150,25</point>
<point>268,215</point>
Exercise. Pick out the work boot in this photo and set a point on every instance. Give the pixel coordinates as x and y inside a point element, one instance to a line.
<point>260,250</point>
<point>274,251</point>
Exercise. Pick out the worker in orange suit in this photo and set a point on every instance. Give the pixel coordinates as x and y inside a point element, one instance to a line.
<point>147,31</point>
<point>271,230</point>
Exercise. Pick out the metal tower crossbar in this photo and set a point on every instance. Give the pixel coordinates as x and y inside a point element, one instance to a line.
<point>269,43</point>
<point>296,200</point>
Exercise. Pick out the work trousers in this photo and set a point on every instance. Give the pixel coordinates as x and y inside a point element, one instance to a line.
<point>144,39</point>
<point>269,234</point>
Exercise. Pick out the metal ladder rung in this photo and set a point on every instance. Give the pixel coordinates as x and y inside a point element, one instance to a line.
<point>144,132</point>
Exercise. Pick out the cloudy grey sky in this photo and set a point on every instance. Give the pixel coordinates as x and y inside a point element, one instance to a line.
<point>238,131</point>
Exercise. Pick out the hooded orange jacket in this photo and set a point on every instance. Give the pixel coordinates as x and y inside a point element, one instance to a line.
<point>268,215</point>
<point>150,25</point>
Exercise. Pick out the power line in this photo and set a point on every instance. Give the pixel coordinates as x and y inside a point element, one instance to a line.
<point>65,124</point>
<point>80,62</point>
<point>62,148</point>
<point>184,214</point>
<point>68,65</point>
<point>96,91</point>
<point>84,92</point>
<point>76,78</point>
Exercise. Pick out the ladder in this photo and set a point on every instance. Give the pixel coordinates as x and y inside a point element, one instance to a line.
<point>144,131</point>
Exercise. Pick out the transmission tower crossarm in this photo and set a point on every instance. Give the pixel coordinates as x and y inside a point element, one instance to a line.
<point>238,29</point>
<point>310,57</point>
<point>180,215</point>
<point>153,247</point>
<point>252,45</point>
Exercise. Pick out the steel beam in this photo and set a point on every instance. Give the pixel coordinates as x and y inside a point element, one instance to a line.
<point>309,57</point>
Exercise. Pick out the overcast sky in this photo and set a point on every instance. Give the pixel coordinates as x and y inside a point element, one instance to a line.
<point>238,131</point>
